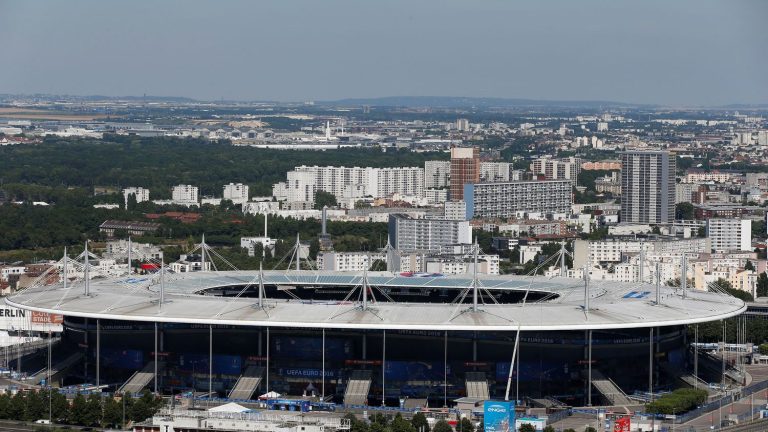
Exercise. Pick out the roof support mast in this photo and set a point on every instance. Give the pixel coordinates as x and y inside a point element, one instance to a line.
<point>475,283</point>
<point>87,271</point>
<point>64,269</point>
<point>202,253</point>
<point>129,255</point>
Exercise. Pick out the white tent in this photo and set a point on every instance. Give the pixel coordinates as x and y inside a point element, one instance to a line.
<point>230,407</point>
<point>270,395</point>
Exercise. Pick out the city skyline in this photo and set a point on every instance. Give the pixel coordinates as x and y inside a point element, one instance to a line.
<point>667,54</point>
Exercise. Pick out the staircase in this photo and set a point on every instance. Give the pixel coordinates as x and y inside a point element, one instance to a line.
<point>57,368</point>
<point>248,382</point>
<point>358,386</point>
<point>140,379</point>
<point>477,385</point>
<point>606,387</point>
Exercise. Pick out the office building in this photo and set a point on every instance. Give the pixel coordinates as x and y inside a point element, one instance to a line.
<point>184,194</point>
<point>647,187</point>
<point>516,199</point>
<point>465,169</point>
<point>728,234</point>
<point>407,234</point>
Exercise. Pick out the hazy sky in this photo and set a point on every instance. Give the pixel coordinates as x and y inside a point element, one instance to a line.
<point>686,52</point>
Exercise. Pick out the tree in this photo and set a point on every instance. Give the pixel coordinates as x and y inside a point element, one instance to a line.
<point>144,407</point>
<point>442,426</point>
<point>465,425</point>
<point>763,348</point>
<point>379,418</point>
<point>5,401</point>
<point>419,422</point>
<point>356,425</point>
<point>93,411</point>
<point>749,266</point>
<point>399,424</point>
<point>17,407</point>
<point>590,429</point>
<point>34,408</point>
<point>527,427</point>
<point>323,198</point>
<point>378,427</point>
<point>130,203</point>
<point>762,285</point>
<point>59,407</point>
<point>684,211</point>
<point>548,428</point>
<point>113,413</point>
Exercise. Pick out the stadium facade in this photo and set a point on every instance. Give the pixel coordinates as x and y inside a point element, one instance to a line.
<point>377,337</point>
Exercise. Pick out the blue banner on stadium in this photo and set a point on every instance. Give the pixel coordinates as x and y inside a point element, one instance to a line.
<point>498,416</point>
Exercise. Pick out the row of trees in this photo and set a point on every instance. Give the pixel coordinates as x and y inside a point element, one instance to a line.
<point>94,410</point>
<point>677,402</point>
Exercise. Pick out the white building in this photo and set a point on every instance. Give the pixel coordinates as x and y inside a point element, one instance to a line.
<point>510,199</point>
<point>141,194</point>
<point>408,234</point>
<point>492,172</point>
<point>237,193</point>
<point>350,182</point>
<point>347,261</point>
<point>249,244</point>
<point>730,234</point>
<point>261,207</point>
<point>118,249</point>
<point>557,169</point>
<point>455,210</point>
<point>437,174</point>
<point>436,196</point>
<point>462,125</point>
<point>184,194</point>
<point>596,252</point>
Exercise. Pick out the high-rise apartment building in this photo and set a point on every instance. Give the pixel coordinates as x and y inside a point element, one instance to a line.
<point>491,172</point>
<point>350,182</point>
<point>462,125</point>
<point>557,169</point>
<point>184,194</point>
<point>237,193</point>
<point>465,169</point>
<point>728,235</point>
<point>647,187</point>
<point>514,199</point>
<point>407,234</point>
<point>140,193</point>
<point>437,174</point>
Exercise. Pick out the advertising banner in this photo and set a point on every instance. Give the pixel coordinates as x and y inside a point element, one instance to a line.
<point>498,416</point>
<point>14,319</point>
<point>622,424</point>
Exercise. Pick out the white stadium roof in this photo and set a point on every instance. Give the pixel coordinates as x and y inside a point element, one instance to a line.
<point>612,305</point>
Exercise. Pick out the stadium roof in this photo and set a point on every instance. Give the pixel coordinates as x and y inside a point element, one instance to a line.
<point>613,305</point>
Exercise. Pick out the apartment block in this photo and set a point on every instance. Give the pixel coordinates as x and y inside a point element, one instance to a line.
<point>514,199</point>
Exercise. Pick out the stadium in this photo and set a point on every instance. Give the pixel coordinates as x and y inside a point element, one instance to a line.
<point>374,338</point>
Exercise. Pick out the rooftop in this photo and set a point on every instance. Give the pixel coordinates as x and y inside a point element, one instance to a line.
<point>612,304</point>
